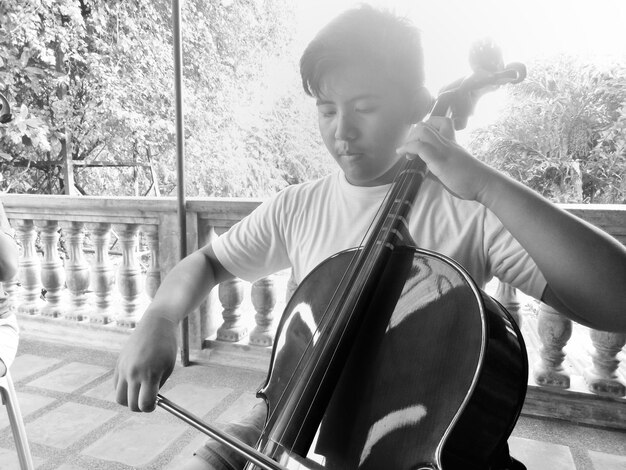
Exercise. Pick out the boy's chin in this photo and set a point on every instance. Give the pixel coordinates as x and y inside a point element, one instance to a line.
<point>369,179</point>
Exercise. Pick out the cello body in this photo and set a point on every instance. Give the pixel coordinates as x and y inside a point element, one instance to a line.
<point>434,377</point>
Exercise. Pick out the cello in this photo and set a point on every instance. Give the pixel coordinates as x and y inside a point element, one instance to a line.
<point>338,397</point>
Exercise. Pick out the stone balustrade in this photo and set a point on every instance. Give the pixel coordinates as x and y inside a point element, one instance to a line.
<point>90,265</point>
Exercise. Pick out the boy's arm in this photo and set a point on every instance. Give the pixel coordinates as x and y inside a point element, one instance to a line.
<point>149,355</point>
<point>584,267</point>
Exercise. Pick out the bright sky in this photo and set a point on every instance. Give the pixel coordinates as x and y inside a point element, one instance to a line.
<point>524,29</point>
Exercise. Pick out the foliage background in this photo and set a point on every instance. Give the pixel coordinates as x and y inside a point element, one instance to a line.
<point>100,74</point>
<point>563,131</point>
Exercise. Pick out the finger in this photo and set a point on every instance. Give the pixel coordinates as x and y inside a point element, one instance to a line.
<point>121,393</point>
<point>424,141</point>
<point>433,134</point>
<point>133,396</point>
<point>442,125</point>
<point>147,395</point>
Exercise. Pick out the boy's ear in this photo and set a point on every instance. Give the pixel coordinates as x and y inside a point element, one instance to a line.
<point>422,105</point>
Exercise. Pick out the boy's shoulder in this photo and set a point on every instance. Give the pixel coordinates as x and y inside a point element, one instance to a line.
<point>301,192</point>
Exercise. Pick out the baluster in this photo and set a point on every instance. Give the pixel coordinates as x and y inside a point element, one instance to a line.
<point>77,272</point>
<point>12,291</point>
<point>52,272</point>
<point>102,275</point>
<point>128,277</point>
<point>11,287</point>
<point>29,271</point>
<point>292,285</point>
<point>230,294</point>
<point>507,296</point>
<point>263,294</point>
<point>5,300</point>
<point>554,331</point>
<point>153,274</point>
<point>601,377</point>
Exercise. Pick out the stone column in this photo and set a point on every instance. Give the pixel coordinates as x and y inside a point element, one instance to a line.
<point>602,377</point>
<point>263,293</point>
<point>52,272</point>
<point>102,275</point>
<point>507,296</point>
<point>230,294</point>
<point>554,332</point>
<point>29,271</point>
<point>77,272</point>
<point>292,285</point>
<point>12,290</point>
<point>153,274</point>
<point>128,277</point>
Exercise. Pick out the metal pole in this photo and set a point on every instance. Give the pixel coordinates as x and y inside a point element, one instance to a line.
<point>180,160</point>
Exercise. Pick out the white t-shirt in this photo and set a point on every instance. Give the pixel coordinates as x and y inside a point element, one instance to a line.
<point>306,223</point>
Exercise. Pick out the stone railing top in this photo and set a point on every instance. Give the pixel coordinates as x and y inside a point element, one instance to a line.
<point>144,210</point>
<point>222,212</point>
<point>609,217</point>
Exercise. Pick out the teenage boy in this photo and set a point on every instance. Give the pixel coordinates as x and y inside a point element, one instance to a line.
<point>365,71</point>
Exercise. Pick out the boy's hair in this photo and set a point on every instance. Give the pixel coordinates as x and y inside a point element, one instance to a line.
<point>369,37</point>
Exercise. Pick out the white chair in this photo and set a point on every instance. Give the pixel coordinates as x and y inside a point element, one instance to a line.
<point>9,399</point>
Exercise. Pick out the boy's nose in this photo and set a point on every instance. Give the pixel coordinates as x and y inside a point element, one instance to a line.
<point>345,129</point>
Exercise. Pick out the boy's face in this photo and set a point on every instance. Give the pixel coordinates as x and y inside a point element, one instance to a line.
<point>363,120</point>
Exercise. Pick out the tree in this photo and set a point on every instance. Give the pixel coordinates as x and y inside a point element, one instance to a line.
<point>93,80</point>
<point>562,131</point>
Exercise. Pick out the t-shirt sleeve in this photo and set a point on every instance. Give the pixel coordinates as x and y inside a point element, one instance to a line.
<point>508,260</point>
<point>255,246</point>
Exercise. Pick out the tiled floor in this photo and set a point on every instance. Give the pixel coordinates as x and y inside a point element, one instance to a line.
<point>73,423</point>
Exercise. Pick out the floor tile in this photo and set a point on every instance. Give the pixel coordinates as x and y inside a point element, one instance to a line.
<point>29,403</point>
<point>26,365</point>
<point>66,424</point>
<point>187,452</point>
<point>239,409</point>
<point>10,461</point>
<point>602,461</point>
<point>104,391</point>
<point>69,377</point>
<point>538,455</point>
<point>136,442</point>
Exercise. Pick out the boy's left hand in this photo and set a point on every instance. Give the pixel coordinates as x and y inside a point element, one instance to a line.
<point>461,173</point>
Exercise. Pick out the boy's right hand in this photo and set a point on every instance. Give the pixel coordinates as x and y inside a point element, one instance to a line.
<point>146,361</point>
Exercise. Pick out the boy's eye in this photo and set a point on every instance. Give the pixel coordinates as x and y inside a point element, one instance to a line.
<point>326,111</point>
<point>366,106</point>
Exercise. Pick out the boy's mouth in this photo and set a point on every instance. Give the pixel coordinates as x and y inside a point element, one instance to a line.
<point>351,156</point>
<point>346,152</point>
<point>344,149</point>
